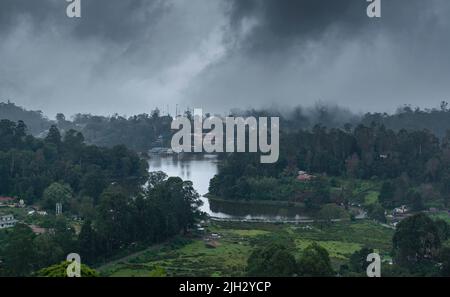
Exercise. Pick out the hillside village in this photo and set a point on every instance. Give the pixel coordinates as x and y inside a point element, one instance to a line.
<point>14,210</point>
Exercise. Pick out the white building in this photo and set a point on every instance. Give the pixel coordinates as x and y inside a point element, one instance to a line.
<point>7,221</point>
<point>401,210</point>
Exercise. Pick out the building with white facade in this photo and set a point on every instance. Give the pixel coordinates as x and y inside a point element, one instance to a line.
<point>7,221</point>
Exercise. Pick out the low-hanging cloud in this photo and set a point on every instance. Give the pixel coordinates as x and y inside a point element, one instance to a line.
<point>129,56</point>
<point>303,51</point>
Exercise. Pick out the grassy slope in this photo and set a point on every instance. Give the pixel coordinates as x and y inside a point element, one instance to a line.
<point>194,258</point>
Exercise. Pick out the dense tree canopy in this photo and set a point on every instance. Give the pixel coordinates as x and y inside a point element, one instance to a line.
<point>315,261</point>
<point>416,240</point>
<point>272,260</point>
<point>110,188</point>
<point>60,270</point>
<point>29,166</point>
<point>140,132</point>
<point>403,160</point>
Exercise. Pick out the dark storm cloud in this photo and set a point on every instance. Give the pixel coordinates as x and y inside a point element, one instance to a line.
<point>115,20</point>
<point>38,11</point>
<point>118,19</point>
<point>129,56</point>
<point>123,56</point>
<point>302,51</point>
<point>281,24</point>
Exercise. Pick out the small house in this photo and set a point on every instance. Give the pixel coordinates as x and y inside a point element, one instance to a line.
<point>304,176</point>
<point>5,201</point>
<point>42,213</point>
<point>7,221</point>
<point>400,210</point>
<point>38,230</point>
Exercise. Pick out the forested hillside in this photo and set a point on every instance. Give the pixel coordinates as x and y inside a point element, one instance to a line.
<point>105,193</point>
<point>436,120</point>
<point>408,162</point>
<point>35,120</point>
<point>140,132</point>
<point>144,131</point>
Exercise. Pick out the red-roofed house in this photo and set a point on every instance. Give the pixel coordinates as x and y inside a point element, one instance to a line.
<point>6,200</point>
<point>38,230</point>
<point>303,176</point>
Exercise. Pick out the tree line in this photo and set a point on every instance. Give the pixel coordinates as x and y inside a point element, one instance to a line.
<point>405,159</point>
<point>139,132</point>
<point>418,249</point>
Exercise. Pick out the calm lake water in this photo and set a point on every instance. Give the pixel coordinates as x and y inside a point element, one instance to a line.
<point>200,169</point>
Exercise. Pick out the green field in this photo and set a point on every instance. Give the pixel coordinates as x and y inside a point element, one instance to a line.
<point>371,198</point>
<point>192,257</point>
<point>443,215</point>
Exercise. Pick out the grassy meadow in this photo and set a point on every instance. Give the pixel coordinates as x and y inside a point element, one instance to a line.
<point>192,256</point>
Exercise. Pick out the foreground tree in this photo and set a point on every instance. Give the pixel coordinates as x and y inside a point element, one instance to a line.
<point>314,262</point>
<point>87,242</point>
<point>158,271</point>
<point>358,260</point>
<point>114,218</point>
<point>445,260</point>
<point>19,253</point>
<point>416,240</point>
<point>274,260</point>
<point>60,270</point>
<point>47,251</point>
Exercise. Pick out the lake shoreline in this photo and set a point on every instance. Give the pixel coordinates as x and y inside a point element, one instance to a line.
<point>257,211</point>
<point>256,202</point>
<point>201,169</point>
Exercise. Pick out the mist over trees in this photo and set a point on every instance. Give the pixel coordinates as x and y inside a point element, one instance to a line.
<point>436,120</point>
<point>146,130</point>
<point>35,120</point>
<point>413,165</point>
<point>139,133</point>
<point>299,117</point>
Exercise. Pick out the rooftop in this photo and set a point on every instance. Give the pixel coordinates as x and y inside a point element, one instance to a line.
<point>6,199</point>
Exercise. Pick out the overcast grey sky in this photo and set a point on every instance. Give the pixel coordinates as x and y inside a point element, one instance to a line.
<point>129,56</point>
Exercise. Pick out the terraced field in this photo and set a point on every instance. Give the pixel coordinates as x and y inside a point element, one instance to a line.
<point>195,256</point>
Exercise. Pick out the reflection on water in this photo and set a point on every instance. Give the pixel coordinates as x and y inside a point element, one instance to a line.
<point>197,168</point>
<point>200,169</point>
<point>252,211</point>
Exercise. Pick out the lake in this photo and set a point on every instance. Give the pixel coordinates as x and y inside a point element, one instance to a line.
<point>200,169</point>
